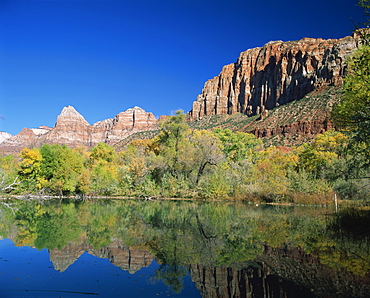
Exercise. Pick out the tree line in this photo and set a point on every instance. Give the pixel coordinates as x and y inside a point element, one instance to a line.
<point>188,163</point>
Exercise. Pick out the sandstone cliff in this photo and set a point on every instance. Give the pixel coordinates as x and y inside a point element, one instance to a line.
<point>275,74</point>
<point>73,130</point>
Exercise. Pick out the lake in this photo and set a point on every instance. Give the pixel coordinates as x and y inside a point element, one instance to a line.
<point>137,248</point>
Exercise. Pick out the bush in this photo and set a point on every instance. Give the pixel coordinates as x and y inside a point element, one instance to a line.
<point>353,189</point>
<point>303,182</point>
<point>172,187</point>
<point>214,187</point>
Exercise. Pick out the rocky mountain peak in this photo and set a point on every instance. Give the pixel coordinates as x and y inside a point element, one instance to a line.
<point>70,115</point>
<point>134,118</point>
<point>135,109</point>
<point>73,130</point>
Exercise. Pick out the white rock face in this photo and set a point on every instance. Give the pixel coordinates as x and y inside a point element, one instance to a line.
<point>4,135</point>
<point>40,131</point>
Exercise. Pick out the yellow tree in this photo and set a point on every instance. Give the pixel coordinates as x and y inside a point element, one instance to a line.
<point>321,153</point>
<point>103,170</point>
<point>30,168</point>
<point>272,168</point>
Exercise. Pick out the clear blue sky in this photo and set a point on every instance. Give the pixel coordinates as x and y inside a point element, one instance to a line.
<point>103,57</point>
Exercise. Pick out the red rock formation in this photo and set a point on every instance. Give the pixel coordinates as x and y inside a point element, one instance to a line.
<point>126,123</point>
<point>275,74</point>
<point>72,129</point>
<point>17,142</point>
<point>312,128</point>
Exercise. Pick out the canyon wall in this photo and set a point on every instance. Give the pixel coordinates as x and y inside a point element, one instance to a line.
<point>275,74</point>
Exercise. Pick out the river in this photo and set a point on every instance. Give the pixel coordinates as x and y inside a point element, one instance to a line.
<point>163,248</point>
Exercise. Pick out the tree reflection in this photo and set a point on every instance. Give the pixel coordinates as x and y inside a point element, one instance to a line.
<point>172,275</point>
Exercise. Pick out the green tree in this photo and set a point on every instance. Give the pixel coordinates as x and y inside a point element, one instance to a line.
<point>8,173</point>
<point>206,151</point>
<point>173,145</point>
<point>104,179</point>
<point>353,112</point>
<point>102,153</point>
<point>60,167</point>
<point>237,145</point>
<point>321,153</point>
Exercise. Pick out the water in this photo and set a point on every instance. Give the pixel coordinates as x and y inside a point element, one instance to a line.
<point>28,272</point>
<point>181,249</point>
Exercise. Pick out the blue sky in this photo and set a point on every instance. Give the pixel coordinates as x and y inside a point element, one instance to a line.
<point>103,57</point>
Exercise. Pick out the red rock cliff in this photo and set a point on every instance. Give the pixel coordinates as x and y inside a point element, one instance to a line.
<point>275,74</point>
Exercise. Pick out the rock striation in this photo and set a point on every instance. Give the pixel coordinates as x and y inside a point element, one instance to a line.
<point>124,124</point>
<point>73,130</point>
<point>275,74</point>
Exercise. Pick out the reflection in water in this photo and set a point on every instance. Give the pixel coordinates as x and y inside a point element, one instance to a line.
<point>125,258</point>
<point>229,250</point>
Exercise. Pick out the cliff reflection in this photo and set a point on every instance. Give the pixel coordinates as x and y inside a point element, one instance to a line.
<point>230,250</point>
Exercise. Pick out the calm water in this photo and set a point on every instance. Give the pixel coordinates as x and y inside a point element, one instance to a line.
<point>181,249</point>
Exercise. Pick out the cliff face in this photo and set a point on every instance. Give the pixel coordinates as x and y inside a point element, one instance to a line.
<point>275,74</point>
<point>124,124</point>
<point>73,130</point>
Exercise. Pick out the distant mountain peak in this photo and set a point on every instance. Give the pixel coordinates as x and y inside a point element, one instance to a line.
<point>135,109</point>
<point>73,130</point>
<point>70,115</point>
